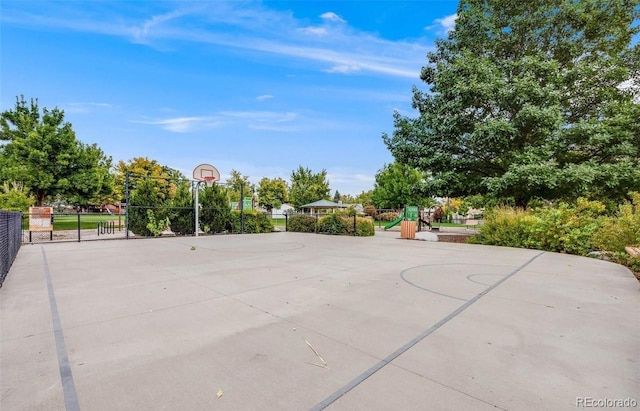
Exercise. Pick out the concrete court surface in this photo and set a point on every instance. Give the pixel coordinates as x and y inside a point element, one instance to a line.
<point>291,321</point>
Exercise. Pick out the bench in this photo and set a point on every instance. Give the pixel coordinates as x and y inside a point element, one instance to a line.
<point>471,223</point>
<point>633,251</point>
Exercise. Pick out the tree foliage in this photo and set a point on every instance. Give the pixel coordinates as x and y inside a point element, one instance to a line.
<point>147,196</point>
<point>307,186</point>
<point>40,150</point>
<point>140,169</point>
<point>529,99</point>
<point>398,185</point>
<point>364,198</point>
<point>272,193</point>
<point>215,213</point>
<point>237,183</point>
<point>13,197</point>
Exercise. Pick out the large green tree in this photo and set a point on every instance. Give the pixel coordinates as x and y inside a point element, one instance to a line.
<point>40,150</point>
<point>237,183</point>
<point>529,99</point>
<point>398,185</point>
<point>215,214</point>
<point>364,198</point>
<point>166,179</point>
<point>307,186</point>
<point>272,193</point>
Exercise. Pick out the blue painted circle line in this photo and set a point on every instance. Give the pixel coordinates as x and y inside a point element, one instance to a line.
<point>430,330</point>
<point>405,273</point>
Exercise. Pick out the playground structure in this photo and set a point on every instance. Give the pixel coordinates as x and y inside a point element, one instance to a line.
<point>412,213</point>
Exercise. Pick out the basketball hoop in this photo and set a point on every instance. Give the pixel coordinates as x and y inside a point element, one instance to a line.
<point>209,180</point>
<point>206,173</point>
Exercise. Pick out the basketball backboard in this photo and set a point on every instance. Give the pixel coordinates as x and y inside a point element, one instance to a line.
<point>207,173</point>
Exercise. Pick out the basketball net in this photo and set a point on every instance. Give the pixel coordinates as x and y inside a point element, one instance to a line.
<point>209,180</point>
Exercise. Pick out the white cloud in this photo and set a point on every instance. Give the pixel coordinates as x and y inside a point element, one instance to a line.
<point>183,124</point>
<point>261,116</point>
<point>344,68</point>
<point>86,107</point>
<point>249,26</point>
<point>140,34</point>
<point>445,24</point>
<point>316,31</point>
<point>331,16</point>
<point>264,97</point>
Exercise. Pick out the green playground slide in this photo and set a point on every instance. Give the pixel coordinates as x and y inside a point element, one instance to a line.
<point>394,222</point>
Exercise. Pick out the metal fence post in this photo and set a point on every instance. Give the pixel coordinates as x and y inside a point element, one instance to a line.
<point>242,209</point>
<point>78,227</point>
<point>126,200</point>
<point>355,226</point>
<point>286,222</point>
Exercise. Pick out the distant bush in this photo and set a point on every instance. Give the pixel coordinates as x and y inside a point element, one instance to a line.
<point>343,224</point>
<point>371,210</point>
<point>388,216</point>
<point>364,227</point>
<point>508,227</point>
<point>254,222</point>
<point>334,224</point>
<point>565,228</point>
<point>574,228</point>
<point>619,231</point>
<point>302,223</point>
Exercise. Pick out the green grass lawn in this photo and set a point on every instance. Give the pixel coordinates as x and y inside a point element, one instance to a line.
<point>87,221</point>
<point>278,222</point>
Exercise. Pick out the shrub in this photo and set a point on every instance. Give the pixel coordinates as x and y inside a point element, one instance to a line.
<point>508,227</point>
<point>334,224</point>
<point>566,228</point>
<point>620,231</point>
<point>341,224</point>
<point>577,228</point>
<point>254,222</point>
<point>147,196</point>
<point>156,227</point>
<point>181,214</point>
<point>364,227</point>
<point>214,215</point>
<point>302,223</point>
<point>371,210</point>
<point>388,216</point>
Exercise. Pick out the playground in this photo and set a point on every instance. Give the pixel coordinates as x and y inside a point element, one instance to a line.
<point>294,321</point>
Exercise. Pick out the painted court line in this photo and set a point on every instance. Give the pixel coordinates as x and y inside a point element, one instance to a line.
<point>362,377</point>
<point>68,387</point>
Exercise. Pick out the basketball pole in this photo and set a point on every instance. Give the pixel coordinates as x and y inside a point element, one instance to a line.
<point>197,228</point>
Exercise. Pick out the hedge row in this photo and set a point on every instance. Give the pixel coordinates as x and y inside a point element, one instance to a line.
<point>151,222</point>
<point>332,224</point>
<point>576,228</point>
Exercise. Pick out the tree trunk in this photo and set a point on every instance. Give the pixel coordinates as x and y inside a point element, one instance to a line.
<point>40,196</point>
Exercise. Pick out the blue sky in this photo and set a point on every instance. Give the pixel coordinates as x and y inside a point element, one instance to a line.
<point>260,87</point>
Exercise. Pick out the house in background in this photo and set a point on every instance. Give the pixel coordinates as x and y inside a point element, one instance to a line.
<point>283,209</point>
<point>320,206</point>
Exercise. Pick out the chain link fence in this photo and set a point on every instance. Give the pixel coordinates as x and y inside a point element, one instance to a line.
<point>10,240</point>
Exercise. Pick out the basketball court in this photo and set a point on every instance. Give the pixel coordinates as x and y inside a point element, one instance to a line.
<point>291,321</point>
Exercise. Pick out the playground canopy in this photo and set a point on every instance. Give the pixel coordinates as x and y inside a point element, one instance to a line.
<point>322,205</point>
